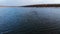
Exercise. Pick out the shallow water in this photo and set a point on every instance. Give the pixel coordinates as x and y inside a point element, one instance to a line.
<point>29,20</point>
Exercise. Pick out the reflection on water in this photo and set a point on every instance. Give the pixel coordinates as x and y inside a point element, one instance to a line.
<point>20,20</point>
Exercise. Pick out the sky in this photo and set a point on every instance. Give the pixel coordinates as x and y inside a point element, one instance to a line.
<point>27,2</point>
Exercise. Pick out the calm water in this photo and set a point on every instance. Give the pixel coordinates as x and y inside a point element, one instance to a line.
<point>29,19</point>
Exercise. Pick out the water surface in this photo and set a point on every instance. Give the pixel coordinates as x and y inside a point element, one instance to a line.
<point>25,19</point>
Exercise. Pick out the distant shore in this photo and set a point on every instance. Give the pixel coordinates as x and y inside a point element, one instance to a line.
<point>43,5</point>
<point>37,5</point>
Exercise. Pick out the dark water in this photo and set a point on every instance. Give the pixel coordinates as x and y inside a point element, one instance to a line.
<point>20,20</point>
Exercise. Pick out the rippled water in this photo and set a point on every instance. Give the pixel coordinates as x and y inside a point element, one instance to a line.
<point>29,20</point>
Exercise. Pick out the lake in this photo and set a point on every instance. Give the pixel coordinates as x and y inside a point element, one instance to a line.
<point>23,20</point>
